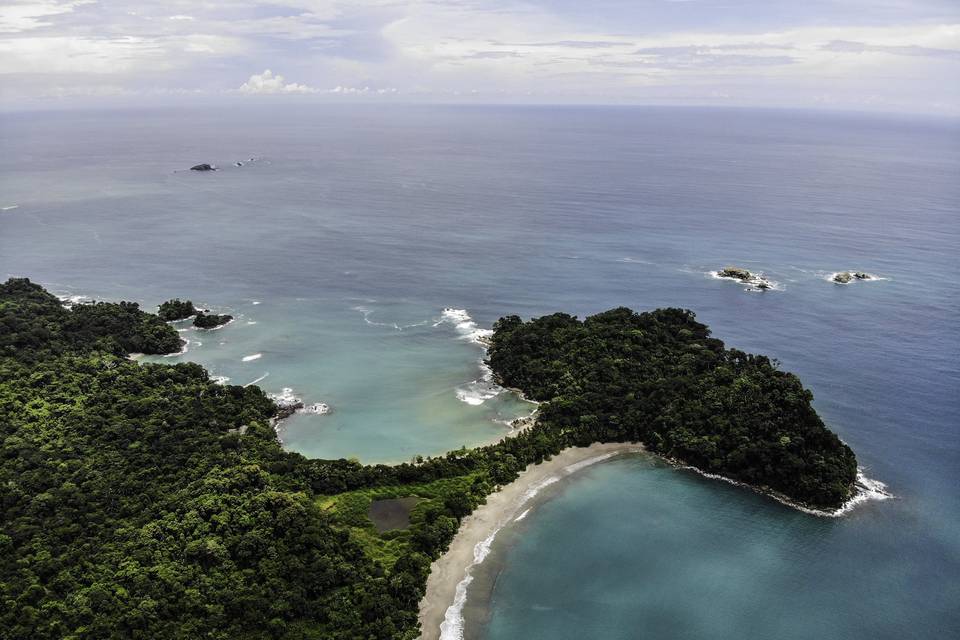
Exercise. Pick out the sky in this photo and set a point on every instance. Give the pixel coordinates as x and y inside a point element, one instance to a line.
<point>882,55</point>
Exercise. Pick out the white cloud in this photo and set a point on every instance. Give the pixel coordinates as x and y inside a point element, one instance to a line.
<point>23,16</point>
<point>74,55</point>
<point>267,83</point>
<point>501,48</point>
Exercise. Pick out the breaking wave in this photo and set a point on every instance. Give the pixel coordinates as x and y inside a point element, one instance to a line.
<point>367,312</point>
<point>287,398</point>
<point>253,382</point>
<point>480,390</point>
<point>865,490</point>
<point>465,326</point>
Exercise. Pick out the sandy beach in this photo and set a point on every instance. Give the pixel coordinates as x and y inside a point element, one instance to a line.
<point>450,574</point>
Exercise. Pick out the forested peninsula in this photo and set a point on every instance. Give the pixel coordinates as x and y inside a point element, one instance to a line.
<point>146,501</point>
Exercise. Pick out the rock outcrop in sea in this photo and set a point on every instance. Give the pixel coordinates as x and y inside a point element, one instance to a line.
<point>846,277</point>
<point>210,320</point>
<point>756,281</point>
<point>735,272</point>
<point>288,404</point>
<point>203,167</point>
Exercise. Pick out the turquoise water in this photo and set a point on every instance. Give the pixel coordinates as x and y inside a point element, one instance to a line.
<point>356,227</point>
<point>635,549</point>
<point>399,377</point>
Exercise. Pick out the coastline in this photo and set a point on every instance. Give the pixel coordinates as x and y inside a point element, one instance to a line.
<point>450,575</point>
<point>865,489</point>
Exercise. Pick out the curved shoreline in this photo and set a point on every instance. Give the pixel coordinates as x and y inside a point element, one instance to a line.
<point>440,610</point>
<point>451,573</point>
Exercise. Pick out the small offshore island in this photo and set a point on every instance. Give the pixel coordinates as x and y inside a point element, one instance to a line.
<point>177,309</point>
<point>148,500</point>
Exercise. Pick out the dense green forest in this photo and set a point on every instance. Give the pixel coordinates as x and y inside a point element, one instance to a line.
<point>145,501</point>
<point>176,309</point>
<point>210,320</point>
<point>659,378</point>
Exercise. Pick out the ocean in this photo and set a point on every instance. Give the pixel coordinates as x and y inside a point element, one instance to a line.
<point>363,250</point>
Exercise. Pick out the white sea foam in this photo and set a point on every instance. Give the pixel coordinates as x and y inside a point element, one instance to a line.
<point>483,388</point>
<point>251,322</point>
<point>255,356</point>
<point>865,490</point>
<point>576,466</point>
<point>317,408</point>
<point>183,348</point>
<point>220,379</point>
<point>477,392</point>
<point>366,318</point>
<point>464,325</point>
<point>285,397</point>
<point>367,312</point>
<point>533,490</point>
<point>452,626</point>
<point>253,382</point>
<point>480,390</point>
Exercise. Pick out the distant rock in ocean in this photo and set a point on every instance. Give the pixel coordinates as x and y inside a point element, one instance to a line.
<point>846,277</point>
<point>203,167</point>
<point>756,281</point>
<point>735,272</point>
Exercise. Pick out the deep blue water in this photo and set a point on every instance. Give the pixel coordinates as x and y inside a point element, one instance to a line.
<point>356,227</point>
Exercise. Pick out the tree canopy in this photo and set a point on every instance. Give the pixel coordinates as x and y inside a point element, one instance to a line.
<point>659,378</point>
